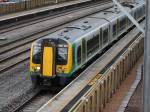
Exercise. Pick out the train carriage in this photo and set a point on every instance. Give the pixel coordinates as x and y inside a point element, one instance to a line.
<point>60,54</point>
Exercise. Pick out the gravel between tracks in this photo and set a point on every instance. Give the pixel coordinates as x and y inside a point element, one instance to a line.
<point>37,102</point>
<point>15,87</point>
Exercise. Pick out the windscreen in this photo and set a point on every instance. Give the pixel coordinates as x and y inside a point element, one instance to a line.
<point>36,54</point>
<point>62,55</point>
<point>62,52</point>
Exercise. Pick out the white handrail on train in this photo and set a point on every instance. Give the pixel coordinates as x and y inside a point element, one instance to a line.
<point>129,16</point>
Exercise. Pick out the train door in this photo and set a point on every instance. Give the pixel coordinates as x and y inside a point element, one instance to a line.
<point>101,39</point>
<point>114,29</point>
<point>105,35</point>
<point>79,53</point>
<point>48,65</point>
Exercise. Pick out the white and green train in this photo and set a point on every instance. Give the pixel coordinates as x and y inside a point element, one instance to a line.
<point>62,53</point>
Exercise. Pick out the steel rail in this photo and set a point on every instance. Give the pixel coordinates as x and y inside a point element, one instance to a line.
<point>31,21</point>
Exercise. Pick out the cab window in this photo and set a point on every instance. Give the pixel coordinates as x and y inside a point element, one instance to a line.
<point>61,52</point>
<point>36,56</point>
<point>62,55</point>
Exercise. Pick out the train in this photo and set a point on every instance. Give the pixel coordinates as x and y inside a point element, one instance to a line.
<point>58,56</point>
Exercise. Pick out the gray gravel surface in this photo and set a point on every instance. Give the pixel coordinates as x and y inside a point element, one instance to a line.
<point>37,102</point>
<point>15,87</point>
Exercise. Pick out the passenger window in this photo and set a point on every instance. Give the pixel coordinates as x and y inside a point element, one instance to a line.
<point>100,35</point>
<point>105,36</point>
<point>79,54</point>
<point>92,44</point>
<point>114,30</point>
<point>96,43</point>
<point>122,24</point>
<point>129,21</point>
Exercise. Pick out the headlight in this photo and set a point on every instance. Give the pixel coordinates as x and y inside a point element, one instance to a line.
<point>59,69</point>
<point>37,69</point>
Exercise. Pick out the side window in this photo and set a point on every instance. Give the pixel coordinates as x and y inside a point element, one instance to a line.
<point>92,44</point>
<point>114,30</point>
<point>133,14</point>
<point>129,21</point>
<point>140,12</point>
<point>105,36</point>
<point>79,54</point>
<point>96,42</point>
<point>136,14</point>
<point>122,23</point>
<point>101,37</point>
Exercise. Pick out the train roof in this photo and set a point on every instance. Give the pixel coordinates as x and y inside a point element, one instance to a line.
<point>82,27</point>
<point>110,14</point>
<point>79,29</point>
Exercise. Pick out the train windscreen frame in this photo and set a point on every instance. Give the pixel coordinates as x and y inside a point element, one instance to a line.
<point>61,53</point>
<point>36,56</point>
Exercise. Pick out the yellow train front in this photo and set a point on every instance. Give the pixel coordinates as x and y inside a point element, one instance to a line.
<point>57,56</point>
<point>49,60</point>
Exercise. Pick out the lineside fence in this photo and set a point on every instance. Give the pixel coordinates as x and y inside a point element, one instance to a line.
<point>105,84</point>
<point>11,7</point>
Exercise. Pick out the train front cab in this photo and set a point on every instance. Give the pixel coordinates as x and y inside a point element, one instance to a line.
<point>50,60</point>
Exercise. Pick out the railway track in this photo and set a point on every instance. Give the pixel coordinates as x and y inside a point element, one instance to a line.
<point>50,15</point>
<point>15,52</point>
<point>35,102</point>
